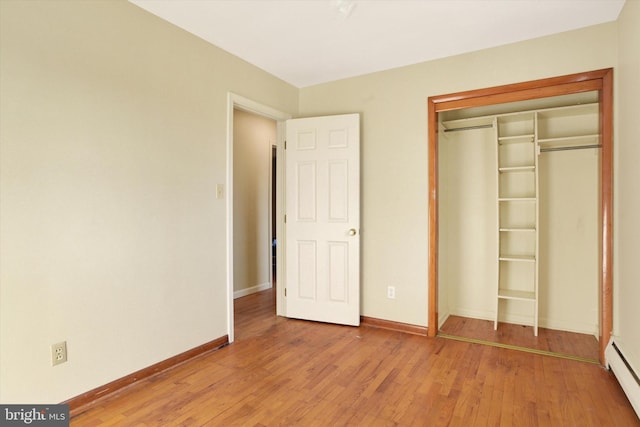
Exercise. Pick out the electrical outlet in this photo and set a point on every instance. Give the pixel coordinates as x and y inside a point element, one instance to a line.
<point>58,353</point>
<point>391,292</point>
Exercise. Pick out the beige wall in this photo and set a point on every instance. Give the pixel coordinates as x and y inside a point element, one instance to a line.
<point>468,215</point>
<point>627,195</point>
<point>394,148</point>
<point>113,139</point>
<point>253,137</point>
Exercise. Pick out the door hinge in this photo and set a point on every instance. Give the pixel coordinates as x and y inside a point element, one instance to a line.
<point>285,292</point>
<point>285,144</point>
<point>285,218</point>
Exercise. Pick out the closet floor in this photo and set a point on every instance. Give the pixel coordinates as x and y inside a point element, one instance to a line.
<point>566,343</point>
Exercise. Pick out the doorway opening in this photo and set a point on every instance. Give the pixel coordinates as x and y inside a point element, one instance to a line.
<point>253,193</point>
<point>253,204</point>
<point>599,81</point>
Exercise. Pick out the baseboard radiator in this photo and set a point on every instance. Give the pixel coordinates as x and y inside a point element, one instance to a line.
<point>625,374</point>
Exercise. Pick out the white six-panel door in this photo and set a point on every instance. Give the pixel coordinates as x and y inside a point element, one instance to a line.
<point>323,219</point>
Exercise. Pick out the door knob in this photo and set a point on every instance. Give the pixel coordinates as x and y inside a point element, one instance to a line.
<point>352,232</point>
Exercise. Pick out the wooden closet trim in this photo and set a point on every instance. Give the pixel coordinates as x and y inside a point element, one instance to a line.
<point>600,80</point>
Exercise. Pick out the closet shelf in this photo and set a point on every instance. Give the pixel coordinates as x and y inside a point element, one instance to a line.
<point>517,199</point>
<point>518,229</point>
<point>517,169</point>
<point>516,295</point>
<point>569,139</point>
<point>517,258</point>
<point>468,123</point>
<point>570,110</point>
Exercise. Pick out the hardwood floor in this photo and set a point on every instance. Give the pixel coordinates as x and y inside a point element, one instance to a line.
<point>561,342</point>
<point>297,373</point>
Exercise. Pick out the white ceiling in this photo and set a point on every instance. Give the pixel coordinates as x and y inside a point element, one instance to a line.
<point>306,42</point>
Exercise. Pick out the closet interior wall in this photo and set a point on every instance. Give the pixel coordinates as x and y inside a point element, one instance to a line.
<point>568,220</point>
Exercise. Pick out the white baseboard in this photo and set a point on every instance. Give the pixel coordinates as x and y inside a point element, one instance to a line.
<point>252,290</point>
<point>624,373</point>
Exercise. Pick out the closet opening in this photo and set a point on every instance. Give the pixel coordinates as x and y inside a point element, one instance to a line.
<point>520,183</point>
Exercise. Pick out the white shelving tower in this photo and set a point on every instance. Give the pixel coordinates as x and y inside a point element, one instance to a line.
<point>518,215</point>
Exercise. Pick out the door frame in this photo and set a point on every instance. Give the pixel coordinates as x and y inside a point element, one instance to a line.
<point>235,101</point>
<point>273,234</point>
<point>600,80</point>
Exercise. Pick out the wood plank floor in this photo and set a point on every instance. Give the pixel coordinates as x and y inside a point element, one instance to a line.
<point>283,372</point>
<point>568,343</point>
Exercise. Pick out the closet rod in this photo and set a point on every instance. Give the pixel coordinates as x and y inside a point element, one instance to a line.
<point>577,147</point>
<point>469,128</point>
